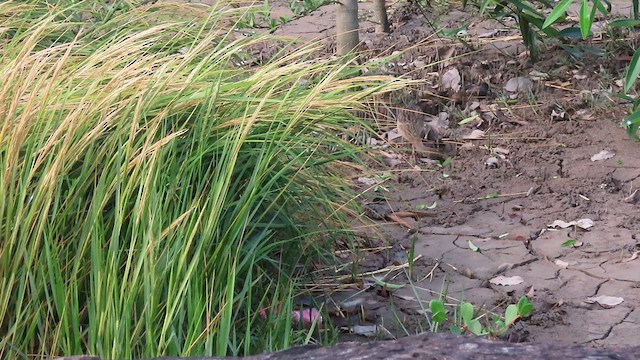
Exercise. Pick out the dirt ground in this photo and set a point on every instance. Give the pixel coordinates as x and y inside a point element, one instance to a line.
<point>524,161</point>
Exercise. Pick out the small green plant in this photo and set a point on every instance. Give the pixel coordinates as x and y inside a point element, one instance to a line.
<point>467,320</point>
<point>303,7</point>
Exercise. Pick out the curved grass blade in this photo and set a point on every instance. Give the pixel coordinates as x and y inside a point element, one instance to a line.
<point>632,72</point>
<point>557,12</point>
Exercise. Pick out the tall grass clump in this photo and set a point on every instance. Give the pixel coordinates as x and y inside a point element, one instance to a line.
<point>155,192</point>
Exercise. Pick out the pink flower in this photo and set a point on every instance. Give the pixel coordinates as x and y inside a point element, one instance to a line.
<point>308,316</point>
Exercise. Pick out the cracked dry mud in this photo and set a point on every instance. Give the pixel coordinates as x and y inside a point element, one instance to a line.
<point>546,176</point>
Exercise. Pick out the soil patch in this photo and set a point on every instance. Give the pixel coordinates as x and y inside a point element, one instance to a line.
<point>525,159</point>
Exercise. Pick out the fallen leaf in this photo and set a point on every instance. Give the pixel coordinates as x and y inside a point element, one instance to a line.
<point>473,247</point>
<point>561,224</point>
<point>603,155</point>
<point>451,80</point>
<point>538,75</point>
<point>474,135</point>
<point>425,206</point>
<point>506,281</point>
<point>606,301</point>
<point>366,330</point>
<point>518,84</point>
<point>561,264</point>
<point>370,180</point>
<point>585,224</point>
<point>531,292</point>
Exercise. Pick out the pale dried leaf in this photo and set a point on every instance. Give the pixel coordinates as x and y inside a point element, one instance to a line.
<point>506,281</point>
<point>474,135</point>
<point>518,84</point>
<point>603,155</point>
<point>370,180</point>
<point>451,80</point>
<point>538,75</point>
<point>585,224</point>
<point>605,300</point>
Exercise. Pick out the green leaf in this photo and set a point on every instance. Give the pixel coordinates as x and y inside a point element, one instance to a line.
<point>597,4</point>
<point>557,12</point>
<point>473,246</point>
<point>476,328</point>
<point>632,123</point>
<point>624,23</point>
<point>425,206</point>
<point>572,51</point>
<point>525,308</point>
<point>633,71</point>
<point>585,18</point>
<point>468,120</point>
<point>568,243</point>
<point>570,32</point>
<point>466,312</point>
<point>636,105</point>
<point>510,315</point>
<point>438,313</point>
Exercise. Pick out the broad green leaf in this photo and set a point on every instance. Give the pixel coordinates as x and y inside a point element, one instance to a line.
<point>557,12</point>
<point>633,71</point>
<point>525,308</point>
<point>455,329</point>
<point>510,315</point>
<point>576,53</point>
<point>438,313</point>
<point>466,311</point>
<point>475,327</point>
<point>597,4</point>
<point>473,246</point>
<point>568,243</point>
<point>570,32</point>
